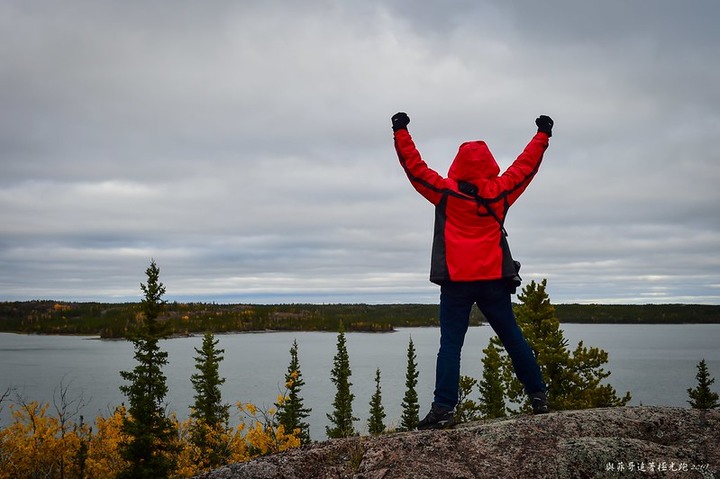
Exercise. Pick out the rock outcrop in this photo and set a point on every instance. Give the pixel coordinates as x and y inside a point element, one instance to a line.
<point>594,443</point>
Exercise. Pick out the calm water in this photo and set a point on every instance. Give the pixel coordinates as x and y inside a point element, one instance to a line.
<point>656,363</point>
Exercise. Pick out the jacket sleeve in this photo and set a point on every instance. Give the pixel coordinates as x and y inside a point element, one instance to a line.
<point>425,180</point>
<point>517,177</point>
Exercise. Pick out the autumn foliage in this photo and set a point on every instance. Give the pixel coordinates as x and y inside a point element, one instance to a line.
<point>37,444</point>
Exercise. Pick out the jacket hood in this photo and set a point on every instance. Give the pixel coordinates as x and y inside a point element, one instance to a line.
<point>473,162</point>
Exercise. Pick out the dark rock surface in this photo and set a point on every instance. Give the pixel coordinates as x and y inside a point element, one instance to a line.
<point>593,443</point>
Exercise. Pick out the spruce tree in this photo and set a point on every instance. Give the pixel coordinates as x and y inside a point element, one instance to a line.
<point>291,411</point>
<point>150,448</point>
<point>574,377</point>
<point>492,392</point>
<point>377,411</point>
<point>410,407</point>
<point>466,410</point>
<point>701,397</point>
<point>210,416</point>
<point>342,417</point>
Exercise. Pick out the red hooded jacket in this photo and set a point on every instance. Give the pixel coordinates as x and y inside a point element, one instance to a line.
<point>466,243</point>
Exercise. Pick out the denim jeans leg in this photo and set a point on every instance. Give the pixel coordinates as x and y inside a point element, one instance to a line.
<point>455,306</point>
<point>496,306</point>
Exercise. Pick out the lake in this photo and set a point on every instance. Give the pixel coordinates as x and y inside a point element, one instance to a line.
<point>656,363</point>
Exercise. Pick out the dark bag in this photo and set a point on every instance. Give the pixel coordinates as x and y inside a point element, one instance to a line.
<point>510,267</point>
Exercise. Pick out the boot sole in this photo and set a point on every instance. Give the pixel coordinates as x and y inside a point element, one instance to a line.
<point>438,425</point>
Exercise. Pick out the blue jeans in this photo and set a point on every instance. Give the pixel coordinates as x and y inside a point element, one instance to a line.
<point>493,299</point>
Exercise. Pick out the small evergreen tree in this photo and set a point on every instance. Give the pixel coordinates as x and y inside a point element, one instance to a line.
<point>466,410</point>
<point>210,416</point>
<point>377,411</point>
<point>492,392</point>
<point>702,397</point>
<point>151,446</point>
<point>291,411</point>
<point>342,417</point>
<point>573,377</point>
<point>410,407</point>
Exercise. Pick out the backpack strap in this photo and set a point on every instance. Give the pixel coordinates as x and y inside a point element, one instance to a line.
<point>471,190</point>
<point>510,267</point>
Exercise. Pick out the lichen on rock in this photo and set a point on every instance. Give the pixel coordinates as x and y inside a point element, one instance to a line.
<point>645,441</point>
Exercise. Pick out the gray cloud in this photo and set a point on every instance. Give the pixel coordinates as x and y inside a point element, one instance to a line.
<point>247,148</point>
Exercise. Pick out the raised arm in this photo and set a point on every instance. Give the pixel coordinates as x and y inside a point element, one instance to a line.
<point>425,180</point>
<point>518,176</point>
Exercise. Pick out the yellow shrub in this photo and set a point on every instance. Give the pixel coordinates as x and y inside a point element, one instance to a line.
<point>38,444</point>
<point>104,458</point>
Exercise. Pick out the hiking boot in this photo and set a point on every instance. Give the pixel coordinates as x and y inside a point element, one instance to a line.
<point>539,403</point>
<point>438,418</point>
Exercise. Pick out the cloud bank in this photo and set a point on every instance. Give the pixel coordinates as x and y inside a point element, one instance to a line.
<point>246,147</point>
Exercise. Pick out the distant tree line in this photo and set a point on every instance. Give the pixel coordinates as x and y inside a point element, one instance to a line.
<point>116,320</point>
<point>638,313</point>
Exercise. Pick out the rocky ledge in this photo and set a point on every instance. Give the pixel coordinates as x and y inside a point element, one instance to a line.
<point>594,443</point>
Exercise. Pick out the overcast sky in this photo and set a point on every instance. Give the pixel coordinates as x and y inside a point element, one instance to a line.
<point>246,146</point>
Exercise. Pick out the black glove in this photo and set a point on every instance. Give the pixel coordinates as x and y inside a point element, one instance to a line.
<point>400,121</point>
<point>545,124</point>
